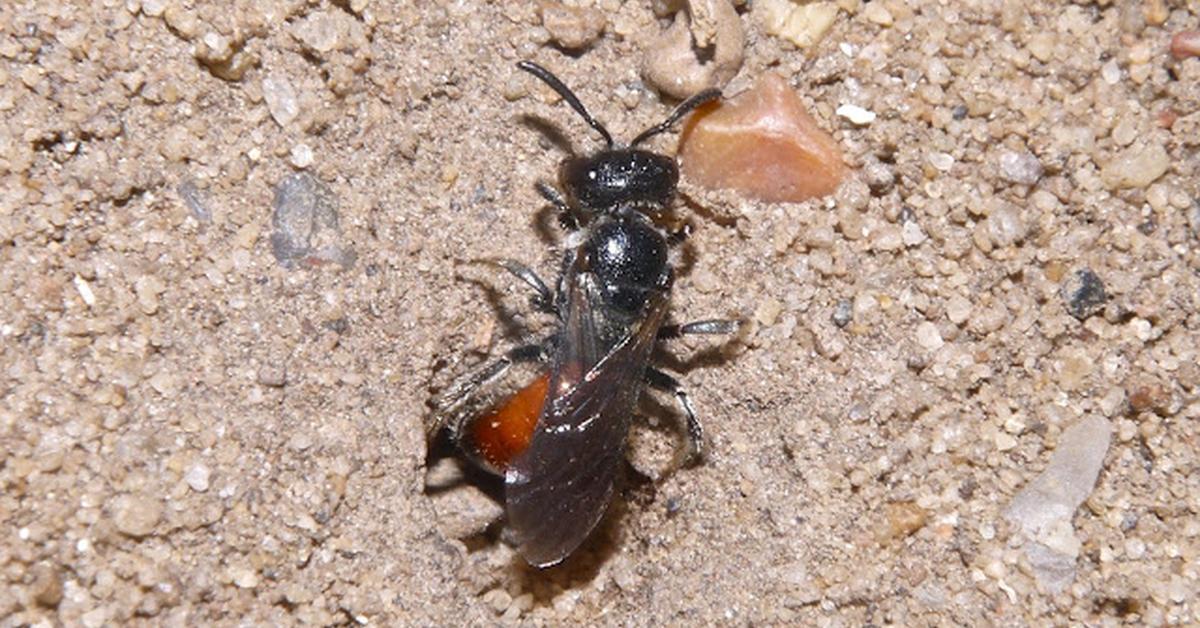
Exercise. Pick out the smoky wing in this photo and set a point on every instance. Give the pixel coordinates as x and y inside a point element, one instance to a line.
<point>559,488</point>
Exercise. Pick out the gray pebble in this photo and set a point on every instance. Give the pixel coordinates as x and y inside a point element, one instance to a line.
<point>843,313</point>
<point>1020,167</point>
<point>305,224</point>
<point>1084,293</point>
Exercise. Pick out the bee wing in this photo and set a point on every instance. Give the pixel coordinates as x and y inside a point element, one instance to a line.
<point>559,488</point>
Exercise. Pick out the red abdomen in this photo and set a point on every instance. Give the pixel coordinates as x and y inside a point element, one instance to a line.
<point>504,432</point>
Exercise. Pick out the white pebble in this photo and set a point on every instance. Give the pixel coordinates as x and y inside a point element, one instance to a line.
<point>856,115</point>
<point>302,156</point>
<point>929,337</point>
<point>85,291</point>
<point>281,99</point>
<point>941,161</point>
<point>197,477</point>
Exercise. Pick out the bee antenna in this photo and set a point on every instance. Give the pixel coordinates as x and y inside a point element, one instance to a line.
<point>685,107</point>
<point>569,96</point>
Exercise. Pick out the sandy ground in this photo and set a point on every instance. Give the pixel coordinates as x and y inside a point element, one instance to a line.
<point>193,433</point>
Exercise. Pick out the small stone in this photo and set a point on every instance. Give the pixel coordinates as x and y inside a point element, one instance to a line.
<point>273,375</point>
<point>887,238</point>
<point>302,156</point>
<point>1020,167</point>
<point>803,24</point>
<point>197,477</point>
<point>878,176</point>
<point>465,511</point>
<point>1084,293</point>
<point>84,290</point>
<point>573,28</point>
<point>1185,44</point>
<point>136,514</point>
<point>764,144</point>
<point>941,161</point>
<point>195,200</point>
<point>1044,508</point>
<point>958,309</point>
<point>153,8</point>
<point>1111,72</point>
<point>768,312</point>
<point>47,587</point>
<point>95,618</point>
<point>305,224</point>
<point>876,13</point>
<point>856,115</point>
<point>843,313</point>
<point>320,32</point>
<point>281,99</point>
<point>177,143</point>
<point>903,519</point>
<point>1004,225</point>
<point>1136,167</point>
<point>498,599</point>
<point>929,337</point>
<point>147,288</point>
<point>912,234</point>
<point>243,577</point>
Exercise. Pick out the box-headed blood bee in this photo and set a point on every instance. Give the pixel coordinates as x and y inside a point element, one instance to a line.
<point>559,442</point>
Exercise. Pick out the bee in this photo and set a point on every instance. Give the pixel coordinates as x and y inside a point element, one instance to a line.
<point>559,441</point>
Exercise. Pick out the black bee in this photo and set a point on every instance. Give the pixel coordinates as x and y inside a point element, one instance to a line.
<point>559,442</point>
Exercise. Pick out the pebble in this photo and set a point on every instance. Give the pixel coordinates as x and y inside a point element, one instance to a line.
<point>843,313</point>
<point>1185,44</point>
<point>876,13</point>
<point>320,32</point>
<point>305,222</point>
<point>136,514</point>
<point>912,234</point>
<point>958,309</point>
<point>302,156</point>
<point>856,115</point>
<point>573,28</point>
<point>147,288</point>
<point>1136,167</point>
<point>47,587</point>
<point>1084,293</point>
<point>1020,167</point>
<point>243,577</point>
<point>84,290</point>
<point>929,337</point>
<point>281,99</point>
<point>763,144</point>
<point>1005,226</point>
<point>903,519</point>
<point>1043,510</point>
<point>941,161</point>
<point>197,477</point>
<point>194,199</point>
<point>803,24</point>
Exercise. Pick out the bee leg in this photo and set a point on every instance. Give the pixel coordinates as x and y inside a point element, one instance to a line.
<point>449,403</point>
<point>542,300</point>
<point>712,326</point>
<point>679,236</point>
<point>565,216</point>
<point>695,433</point>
